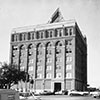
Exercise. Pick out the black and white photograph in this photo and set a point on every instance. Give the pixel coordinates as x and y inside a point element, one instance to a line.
<point>49,49</point>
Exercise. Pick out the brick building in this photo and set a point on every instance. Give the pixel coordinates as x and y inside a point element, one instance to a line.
<point>54,54</point>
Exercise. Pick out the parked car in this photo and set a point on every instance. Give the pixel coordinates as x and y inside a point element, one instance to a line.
<point>62,92</point>
<point>84,93</point>
<point>37,93</point>
<point>45,92</point>
<point>65,92</point>
<point>21,97</point>
<point>78,93</point>
<point>58,92</point>
<point>96,94</point>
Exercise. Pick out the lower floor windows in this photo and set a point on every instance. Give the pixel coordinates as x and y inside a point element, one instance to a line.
<point>48,75</point>
<point>49,67</point>
<point>68,67</point>
<point>31,61</point>
<point>69,75</point>
<point>22,68</point>
<point>58,67</point>
<point>68,59</point>
<point>30,68</point>
<point>39,67</point>
<point>39,75</point>
<point>58,75</point>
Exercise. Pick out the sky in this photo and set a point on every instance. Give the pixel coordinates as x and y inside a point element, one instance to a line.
<point>19,13</point>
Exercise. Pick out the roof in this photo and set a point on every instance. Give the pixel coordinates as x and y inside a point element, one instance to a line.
<point>44,26</point>
<point>55,21</point>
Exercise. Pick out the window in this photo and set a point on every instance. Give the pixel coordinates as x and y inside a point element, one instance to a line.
<point>68,50</point>
<point>31,61</point>
<point>22,54</point>
<point>48,75</point>
<point>29,35</point>
<point>30,68</point>
<point>58,67</point>
<point>68,67</point>
<point>66,31</point>
<point>15,37</point>
<point>21,61</point>
<point>39,60</point>
<point>49,67</point>
<point>46,34</point>
<point>40,46</point>
<point>69,42</point>
<point>13,54</point>
<point>56,34</point>
<point>59,32</point>
<point>58,75</point>
<point>37,35</point>
<point>69,75</point>
<point>69,59</point>
<point>58,50</point>
<point>39,52</point>
<point>15,47</point>
<point>39,75</point>
<point>49,60</point>
<point>30,53</point>
<point>12,37</point>
<point>58,59</point>
<point>49,51</point>
<point>15,61</point>
<point>70,31</point>
<point>23,36</point>
<point>32,35</point>
<point>49,33</point>
<point>59,44</point>
<point>22,68</point>
<point>39,67</point>
<point>49,45</point>
<point>41,34</point>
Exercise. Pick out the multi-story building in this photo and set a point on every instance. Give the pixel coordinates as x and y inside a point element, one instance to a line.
<point>54,54</point>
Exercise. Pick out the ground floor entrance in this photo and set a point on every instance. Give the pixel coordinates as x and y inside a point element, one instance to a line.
<point>57,87</point>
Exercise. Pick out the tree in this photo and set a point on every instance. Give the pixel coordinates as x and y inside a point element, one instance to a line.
<point>11,75</point>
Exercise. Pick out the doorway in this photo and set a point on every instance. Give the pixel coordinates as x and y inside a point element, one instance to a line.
<point>57,87</point>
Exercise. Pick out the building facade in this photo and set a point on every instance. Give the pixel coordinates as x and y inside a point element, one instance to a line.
<point>54,54</point>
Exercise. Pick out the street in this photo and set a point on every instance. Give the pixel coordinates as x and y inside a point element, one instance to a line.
<point>65,97</point>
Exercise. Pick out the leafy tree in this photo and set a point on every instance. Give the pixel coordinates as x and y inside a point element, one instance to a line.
<point>11,75</point>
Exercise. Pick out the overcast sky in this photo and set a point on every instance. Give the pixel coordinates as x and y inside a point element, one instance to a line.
<point>19,13</point>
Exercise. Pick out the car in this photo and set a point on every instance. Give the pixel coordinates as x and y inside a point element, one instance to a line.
<point>96,94</point>
<point>62,92</point>
<point>75,93</point>
<point>21,97</point>
<point>85,93</point>
<point>65,92</point>
<point>46,92</point>
<point>58,92</point>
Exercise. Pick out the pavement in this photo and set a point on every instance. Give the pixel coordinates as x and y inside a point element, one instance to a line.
<point>63,97</point>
